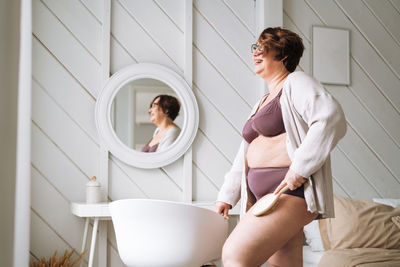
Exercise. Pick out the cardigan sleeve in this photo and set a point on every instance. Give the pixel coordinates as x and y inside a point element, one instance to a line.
<point>230,190</point>
<point>326,125</point>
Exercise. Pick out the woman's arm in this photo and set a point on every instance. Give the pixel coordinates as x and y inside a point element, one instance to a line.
<point>230,190</point>
<point>326,121</point>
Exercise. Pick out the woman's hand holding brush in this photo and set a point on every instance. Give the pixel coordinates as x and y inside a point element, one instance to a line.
<point>292,180</point>
<point>268,202</point>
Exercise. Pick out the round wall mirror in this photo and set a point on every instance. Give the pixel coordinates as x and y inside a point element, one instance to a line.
<point>147,115</point>
<point>142,108</point>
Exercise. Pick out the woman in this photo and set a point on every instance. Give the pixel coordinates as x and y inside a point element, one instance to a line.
<point>163,111</point>
<point>287,141</point>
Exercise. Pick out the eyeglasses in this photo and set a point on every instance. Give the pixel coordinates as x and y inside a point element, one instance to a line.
<point>154,104</point>
<point>254,47</point>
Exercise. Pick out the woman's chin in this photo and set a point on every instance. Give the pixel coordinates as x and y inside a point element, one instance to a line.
<point>258,70</point>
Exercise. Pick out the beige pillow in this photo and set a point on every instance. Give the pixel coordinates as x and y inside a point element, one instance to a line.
<point>396,221</point>
<point>360,224</point>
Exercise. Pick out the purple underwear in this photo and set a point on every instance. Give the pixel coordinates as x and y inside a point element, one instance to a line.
<point>263,181</point>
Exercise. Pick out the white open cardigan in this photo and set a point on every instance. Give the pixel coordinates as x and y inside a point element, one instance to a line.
<point>314,123</point>
<point>169,137</point>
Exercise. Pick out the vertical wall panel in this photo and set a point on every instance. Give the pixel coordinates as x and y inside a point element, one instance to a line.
<point>218,130</point>
<point>245,12</point>
<point>219,92</point>
<point>149,16</point>
<point>120,56</point>
<point>175,10</point>
<point>225,60</point>
<point>204,188</point>
<point>128,31</point>
<point>306,59</point>
<point>229,27</point>
<point>95,8</point>
<point>209,160</point>
<point>155,183</point>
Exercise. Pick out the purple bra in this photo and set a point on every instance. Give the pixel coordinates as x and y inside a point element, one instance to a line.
<point>267,121</point>
<point>148,148</point>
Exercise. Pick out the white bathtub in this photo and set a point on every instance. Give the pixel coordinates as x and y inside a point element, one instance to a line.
<point>165,233</point>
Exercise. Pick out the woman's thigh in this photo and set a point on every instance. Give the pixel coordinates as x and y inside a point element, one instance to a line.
<point>291,254</point>
<point>256,239</point>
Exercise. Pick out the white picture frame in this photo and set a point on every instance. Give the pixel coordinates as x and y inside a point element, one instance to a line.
<point>331,55</point>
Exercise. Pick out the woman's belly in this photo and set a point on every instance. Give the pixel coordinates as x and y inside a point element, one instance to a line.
<point>268,152</point>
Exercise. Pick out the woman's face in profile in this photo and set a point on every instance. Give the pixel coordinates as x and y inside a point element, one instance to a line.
<point>156,113</point>
<point>264,63</point>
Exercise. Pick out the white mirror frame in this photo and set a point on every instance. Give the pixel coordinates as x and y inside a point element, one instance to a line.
<point>107,132</point>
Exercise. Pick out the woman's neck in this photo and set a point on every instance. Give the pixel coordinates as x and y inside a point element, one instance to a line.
<point>276,80</point>
<point>165,124</point>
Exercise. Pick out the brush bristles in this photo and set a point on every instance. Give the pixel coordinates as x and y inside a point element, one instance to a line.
<point>267,210</point>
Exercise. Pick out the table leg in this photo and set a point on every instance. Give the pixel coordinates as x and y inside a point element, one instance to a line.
<point>84,238</point>
<point>102,244</point>
<point>93,243</point>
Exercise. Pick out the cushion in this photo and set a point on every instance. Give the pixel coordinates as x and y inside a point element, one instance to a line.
<point>313,237</point>
<point>360,224</point>
<point>365,257</point>
<point>396,221</point>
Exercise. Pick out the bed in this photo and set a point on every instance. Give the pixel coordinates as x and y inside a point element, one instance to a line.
<point>311,258</point>
<point>363,234</point>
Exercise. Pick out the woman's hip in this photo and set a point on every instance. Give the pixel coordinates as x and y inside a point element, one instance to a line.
<point>265,180</point>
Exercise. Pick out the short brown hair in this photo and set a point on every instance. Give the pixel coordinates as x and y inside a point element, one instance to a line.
<point>169,105</point>
<point>286,44</point>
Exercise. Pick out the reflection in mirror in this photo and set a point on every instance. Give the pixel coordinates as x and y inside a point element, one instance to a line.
<point>145,115</point>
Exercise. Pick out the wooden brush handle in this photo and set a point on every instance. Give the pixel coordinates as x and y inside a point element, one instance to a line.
<point>268,202</point>
<point>283,190</point>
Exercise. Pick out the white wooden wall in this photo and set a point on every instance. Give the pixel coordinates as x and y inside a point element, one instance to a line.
<point>67,75</point>
<point>66,79</point>
<point>366,161</point>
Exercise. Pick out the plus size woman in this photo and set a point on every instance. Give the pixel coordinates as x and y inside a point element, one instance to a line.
<point>287,140</point>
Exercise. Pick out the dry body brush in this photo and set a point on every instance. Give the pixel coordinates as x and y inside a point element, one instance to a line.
<point>63,261</point>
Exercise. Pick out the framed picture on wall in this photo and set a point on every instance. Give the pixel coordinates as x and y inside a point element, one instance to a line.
<point>331,55</point>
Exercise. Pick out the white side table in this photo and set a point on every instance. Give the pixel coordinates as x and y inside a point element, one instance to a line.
<point>98,211</point>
